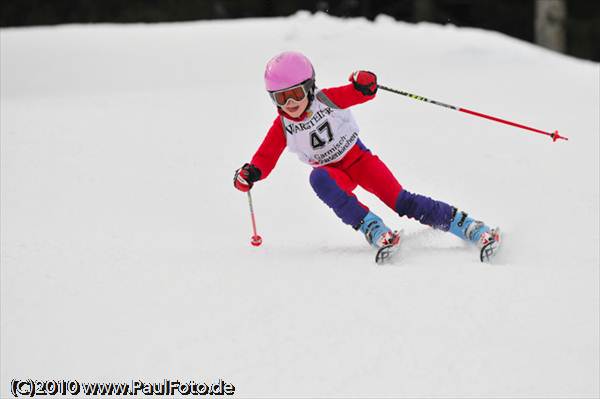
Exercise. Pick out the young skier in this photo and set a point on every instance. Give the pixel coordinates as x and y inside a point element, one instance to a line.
<point>318,126</point>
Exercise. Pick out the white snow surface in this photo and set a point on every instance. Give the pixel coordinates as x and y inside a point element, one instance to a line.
<point>126,250</point>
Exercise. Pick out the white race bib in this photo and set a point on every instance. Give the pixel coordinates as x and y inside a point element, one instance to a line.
<point>325,136</point>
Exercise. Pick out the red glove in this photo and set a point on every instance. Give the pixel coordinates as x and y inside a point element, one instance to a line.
<point>245,177</point>
<point>364,81</point>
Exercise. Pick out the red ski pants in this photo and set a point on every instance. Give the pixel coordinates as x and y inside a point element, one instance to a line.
<point>335,183</point>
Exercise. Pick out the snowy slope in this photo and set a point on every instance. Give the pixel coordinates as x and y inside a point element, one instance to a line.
<point>125,248</point>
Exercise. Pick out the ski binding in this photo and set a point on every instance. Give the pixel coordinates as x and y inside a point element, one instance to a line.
<point>490,248</point>
<point>387,252</point>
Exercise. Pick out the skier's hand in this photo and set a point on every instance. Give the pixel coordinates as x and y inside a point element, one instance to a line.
<point>245,177</point>
<point>365,82</point>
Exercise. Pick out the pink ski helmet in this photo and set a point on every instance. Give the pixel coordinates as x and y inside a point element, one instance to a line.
<point>287,69</point>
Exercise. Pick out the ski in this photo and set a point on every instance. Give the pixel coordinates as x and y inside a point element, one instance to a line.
<point>387,252</point>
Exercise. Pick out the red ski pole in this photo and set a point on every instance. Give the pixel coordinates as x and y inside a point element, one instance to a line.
<point>554,135</point>
<point>256,239</point>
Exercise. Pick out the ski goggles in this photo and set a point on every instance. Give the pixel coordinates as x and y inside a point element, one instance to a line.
<point>296,93</point>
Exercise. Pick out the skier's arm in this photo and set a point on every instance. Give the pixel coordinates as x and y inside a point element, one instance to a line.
<point>362,89</point>
<point>264,159</point>
<point>270,150</point>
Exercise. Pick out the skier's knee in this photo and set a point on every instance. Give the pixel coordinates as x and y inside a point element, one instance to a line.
<point>319,178</point>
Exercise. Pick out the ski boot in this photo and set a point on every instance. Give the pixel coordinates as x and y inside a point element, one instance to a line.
<point>379,236</point>
<point>477,233</point>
